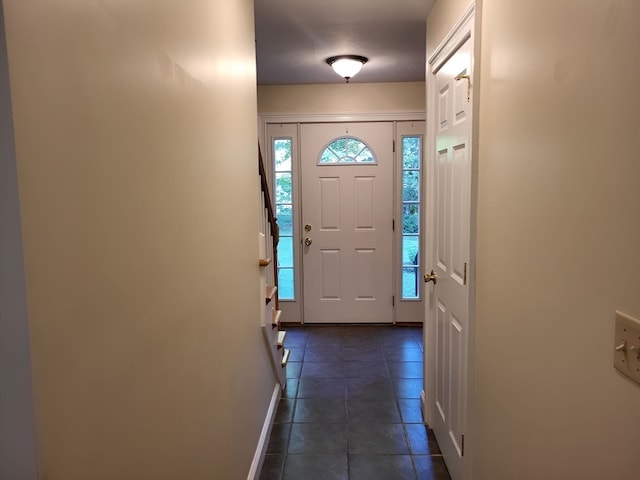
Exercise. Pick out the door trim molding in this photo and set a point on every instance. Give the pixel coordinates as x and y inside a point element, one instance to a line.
<point>293,310</point>
<point>265,120</point>
<point>461,24</point>
<point>337,118</point>
<point>299,118</point>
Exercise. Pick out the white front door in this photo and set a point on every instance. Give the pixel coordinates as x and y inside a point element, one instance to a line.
<point>347,219</point>
<point>449,235</point>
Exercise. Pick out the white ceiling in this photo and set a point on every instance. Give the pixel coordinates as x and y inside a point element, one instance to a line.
<point>295,37</point>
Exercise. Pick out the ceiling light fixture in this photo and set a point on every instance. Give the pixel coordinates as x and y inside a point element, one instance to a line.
<point>347,65</point>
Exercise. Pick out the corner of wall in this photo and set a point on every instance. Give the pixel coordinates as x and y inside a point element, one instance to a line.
<point>17,438</point>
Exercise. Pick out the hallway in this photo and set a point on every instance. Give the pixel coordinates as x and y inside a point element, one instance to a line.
<point>351,409</point>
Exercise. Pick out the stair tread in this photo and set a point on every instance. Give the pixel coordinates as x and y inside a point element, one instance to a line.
<point>265,261</point>
<point>275,320</point>
<point>281,336</point>
<point>285,357</point>
<point>271,292</point>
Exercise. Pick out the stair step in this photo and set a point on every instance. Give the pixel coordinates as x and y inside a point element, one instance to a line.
<point>281,336</point>
<point>285,357</point>
<point>275,320</point>
<point>271,292</point>
<point>265,261</point>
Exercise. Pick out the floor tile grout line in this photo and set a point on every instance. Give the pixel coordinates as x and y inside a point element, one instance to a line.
<point>394,381</point>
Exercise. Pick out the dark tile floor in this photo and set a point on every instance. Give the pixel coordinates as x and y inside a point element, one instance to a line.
<point>351,407</point>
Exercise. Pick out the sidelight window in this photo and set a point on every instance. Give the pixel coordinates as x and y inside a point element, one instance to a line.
<point>411,168</point>
<point>282,155</point>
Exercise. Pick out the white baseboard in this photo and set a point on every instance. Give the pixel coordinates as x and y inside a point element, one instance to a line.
<point>263,442</point>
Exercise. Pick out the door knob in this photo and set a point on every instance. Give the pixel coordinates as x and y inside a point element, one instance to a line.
<point>431,277</point>
<point>308,241</point>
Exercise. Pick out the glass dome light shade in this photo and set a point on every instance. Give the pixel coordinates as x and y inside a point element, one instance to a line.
<point>347,65</point>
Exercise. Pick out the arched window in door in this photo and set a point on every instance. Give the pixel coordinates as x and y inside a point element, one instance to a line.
<point>347,150</point>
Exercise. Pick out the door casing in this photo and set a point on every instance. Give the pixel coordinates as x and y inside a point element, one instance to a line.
<point>292,311</point>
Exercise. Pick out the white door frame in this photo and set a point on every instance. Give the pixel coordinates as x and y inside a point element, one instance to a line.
<point>293,311</point>
<point>465,28</point>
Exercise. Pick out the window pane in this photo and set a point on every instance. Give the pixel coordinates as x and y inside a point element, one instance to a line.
<point>411,152</point>
<point>285,252</point>
<point>411,218</point>
<point>283,188</point>
<point>365,156</point>
<point>410,282</point>
<point>285,284</point>
<point>411,186</point>
<point>410,249</point>
<point>339,145</point>
<point>328,156</point>
<point>282,154</point>
<point>284,215</point>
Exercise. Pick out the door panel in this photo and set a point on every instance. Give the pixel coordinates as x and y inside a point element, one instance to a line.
<point>441,394</point>
<point>347,267</point>
<point>329,203</point>
<point>441,203</point>
<point>365,274</point>
<point>459,213</point>
<point>364,203</point>
<point>330,274</point>
<point>449,297</point>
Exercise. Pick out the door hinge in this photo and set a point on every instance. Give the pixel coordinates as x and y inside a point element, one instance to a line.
<point>462,453</point>
<point>465,274</point>
<point>393,224</point>
<point>393,300</point>
<point>394,146</point>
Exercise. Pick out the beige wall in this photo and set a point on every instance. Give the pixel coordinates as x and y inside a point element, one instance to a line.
<point>138,193</point>
<point>557,241</point>
<point>341,98</point>
<point>17,442</point>
<point>442,17</point>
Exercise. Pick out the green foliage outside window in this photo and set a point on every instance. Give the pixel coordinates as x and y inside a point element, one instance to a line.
<point>411,164</point>
<point>282,155</point>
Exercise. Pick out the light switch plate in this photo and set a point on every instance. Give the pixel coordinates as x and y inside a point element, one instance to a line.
<point>626,356</point>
